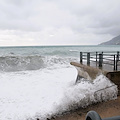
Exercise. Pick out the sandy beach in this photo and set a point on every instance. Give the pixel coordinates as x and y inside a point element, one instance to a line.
<point>104,109</point>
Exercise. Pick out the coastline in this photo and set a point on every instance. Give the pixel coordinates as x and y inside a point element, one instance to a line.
<point>104,109</point>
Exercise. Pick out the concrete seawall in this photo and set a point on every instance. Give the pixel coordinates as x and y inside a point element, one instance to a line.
<point>90,73</point>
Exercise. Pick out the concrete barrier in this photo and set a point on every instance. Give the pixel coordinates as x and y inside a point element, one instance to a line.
<point>115,78</point>
<point>90,73</point>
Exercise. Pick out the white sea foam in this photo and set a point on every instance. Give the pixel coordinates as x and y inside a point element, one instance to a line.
<point>86,93</point>
<point>42,93</point>
<point>43,82</point>
<point>23,94</point>
<point>73,50</point>
<point>31,62</point>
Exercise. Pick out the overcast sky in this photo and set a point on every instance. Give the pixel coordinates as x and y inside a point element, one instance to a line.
<point>58,22</point>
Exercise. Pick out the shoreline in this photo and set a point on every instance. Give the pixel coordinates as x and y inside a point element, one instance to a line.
<point>104,109</point>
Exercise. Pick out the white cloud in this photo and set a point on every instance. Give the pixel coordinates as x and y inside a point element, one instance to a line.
<point>44,22</point>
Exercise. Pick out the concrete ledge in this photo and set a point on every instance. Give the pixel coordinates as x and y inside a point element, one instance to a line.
<point>90,73</point>
<point>115,78</point>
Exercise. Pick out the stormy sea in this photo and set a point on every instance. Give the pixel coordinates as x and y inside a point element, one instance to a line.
<point>39,82</point>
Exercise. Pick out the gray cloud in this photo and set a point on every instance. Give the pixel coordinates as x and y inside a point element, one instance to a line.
<point>96,14</point>
<point>61,21</point>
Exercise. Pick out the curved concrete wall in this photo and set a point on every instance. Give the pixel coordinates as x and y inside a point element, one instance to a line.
<point>90,73</point>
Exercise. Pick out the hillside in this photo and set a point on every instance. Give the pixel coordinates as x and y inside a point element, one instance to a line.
<point>114,41</point>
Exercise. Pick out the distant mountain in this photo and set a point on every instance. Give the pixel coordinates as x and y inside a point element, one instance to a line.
<point>114,41</point>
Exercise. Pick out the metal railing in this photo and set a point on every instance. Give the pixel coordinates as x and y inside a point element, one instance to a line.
<point>101,58</point>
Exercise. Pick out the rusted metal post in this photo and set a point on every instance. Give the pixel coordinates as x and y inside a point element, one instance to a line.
<point>100,60</point>
<point>88,58</point>
<point>81,57</point>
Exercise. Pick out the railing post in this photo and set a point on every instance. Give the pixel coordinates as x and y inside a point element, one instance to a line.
<point>102,57</point>
<point>96,56</point>
<point>81,57</point>
<point>114,63</point>
<point>100,60</point>
<point>88,58</point>
<point>117,59</point>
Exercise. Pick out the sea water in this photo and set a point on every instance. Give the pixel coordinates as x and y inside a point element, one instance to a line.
<point>39,82</point>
